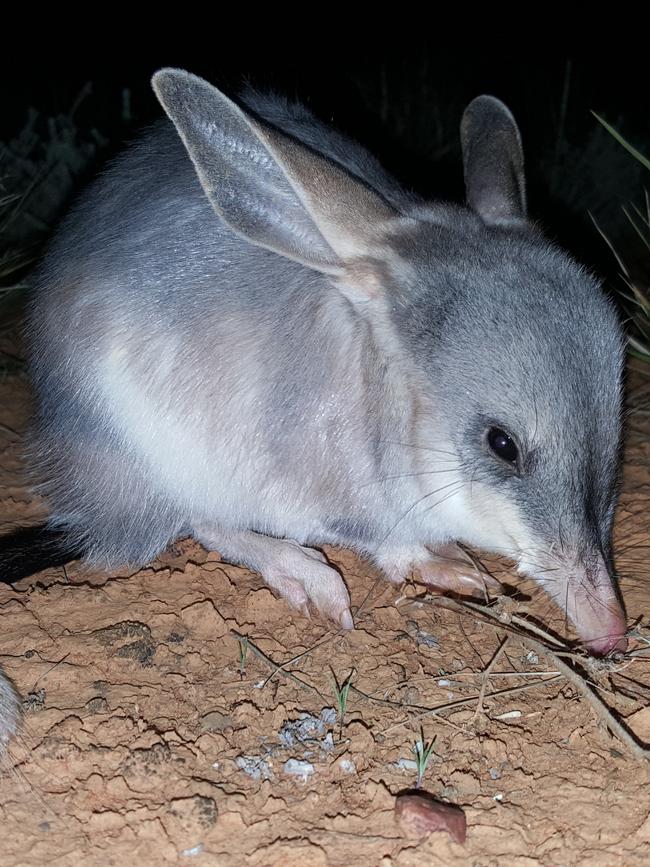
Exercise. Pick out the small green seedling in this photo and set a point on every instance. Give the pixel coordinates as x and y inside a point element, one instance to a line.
<point>243,653</point>
<point>341,691</point>
<point>422,752</point>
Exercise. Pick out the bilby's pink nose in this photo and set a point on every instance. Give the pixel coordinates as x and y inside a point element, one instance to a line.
<point>607,644</point>
<point>604,628</point>
<point>587,592</point>
<point>596,612</point>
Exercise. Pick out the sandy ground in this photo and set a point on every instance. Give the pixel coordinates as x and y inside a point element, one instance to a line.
<point>152,738</point>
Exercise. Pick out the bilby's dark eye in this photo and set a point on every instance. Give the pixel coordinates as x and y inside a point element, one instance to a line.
<point>503,445</point>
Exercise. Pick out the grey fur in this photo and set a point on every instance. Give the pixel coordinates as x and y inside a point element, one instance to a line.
<point>496,186</point>
<point>10,712</point>
<point>319,361</point>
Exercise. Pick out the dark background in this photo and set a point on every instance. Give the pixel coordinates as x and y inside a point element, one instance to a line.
<point>401,95</point>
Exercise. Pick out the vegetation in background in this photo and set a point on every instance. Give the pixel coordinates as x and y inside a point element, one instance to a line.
<point>40,168</point>
<point>635,298</point>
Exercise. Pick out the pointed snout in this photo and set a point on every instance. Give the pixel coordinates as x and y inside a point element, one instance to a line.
<point>588,595</point>
<point>613,640</point>
<point>598,615</point>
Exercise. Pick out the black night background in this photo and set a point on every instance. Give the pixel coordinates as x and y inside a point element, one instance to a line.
<point>66,112</point>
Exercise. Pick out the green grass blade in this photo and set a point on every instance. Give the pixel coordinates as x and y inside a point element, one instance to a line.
<point>644,219</point>
<point>619,138</point>
<point>636,228</point>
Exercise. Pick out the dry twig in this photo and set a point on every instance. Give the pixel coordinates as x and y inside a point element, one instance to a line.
<point>557,658</point>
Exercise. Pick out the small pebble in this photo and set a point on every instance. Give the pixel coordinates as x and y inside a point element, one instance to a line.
<point>296,768</point>
<point>406,765</point>
<point>255,767</point>
<point>328,716</point>
<point>420,815</point>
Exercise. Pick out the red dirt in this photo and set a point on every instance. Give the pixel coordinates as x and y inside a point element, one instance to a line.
<point>139,715</point>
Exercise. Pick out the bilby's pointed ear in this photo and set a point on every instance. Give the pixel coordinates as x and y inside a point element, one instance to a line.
<point>269,188</point>
<point>494,162</point>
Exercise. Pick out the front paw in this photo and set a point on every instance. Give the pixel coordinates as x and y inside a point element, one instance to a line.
<point>447,569</point>
<point>451,570</point>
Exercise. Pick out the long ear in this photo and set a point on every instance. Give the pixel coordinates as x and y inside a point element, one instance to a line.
<point>494,162</point>
<point>269,188</point>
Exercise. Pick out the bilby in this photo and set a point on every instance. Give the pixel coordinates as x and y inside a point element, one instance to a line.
<point>247,331</point>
